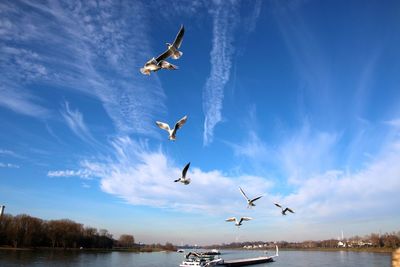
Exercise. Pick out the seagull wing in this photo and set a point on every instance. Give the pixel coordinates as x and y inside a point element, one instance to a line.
<point>167,53</point>
<point>166,65</point>
<point>276,204</point>
<point>163,126</point>
<point>181,122</point>
<point>257,198</point>
<point>241,191</point>
<point>184,171</point>
<point>290,210</point>
<point>231,219</point>
<point>244,219</point>
<point>179,37</point>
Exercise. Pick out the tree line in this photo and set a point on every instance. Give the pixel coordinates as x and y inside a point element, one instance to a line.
<point>386,240</point>
<point>23,231</point>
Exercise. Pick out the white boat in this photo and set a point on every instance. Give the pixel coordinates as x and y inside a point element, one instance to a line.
<point>199,259</point>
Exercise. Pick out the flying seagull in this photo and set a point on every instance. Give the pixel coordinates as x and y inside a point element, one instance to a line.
<point>183,179</point>
<point>238,223</point>
<point>160,62</point>
<point>172,133</point>
<point>250,202</point>
<point>175,53</point>
<point>284,210</point>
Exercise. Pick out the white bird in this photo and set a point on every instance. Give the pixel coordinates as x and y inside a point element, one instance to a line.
<point>174,47</point>
<point>2,207</point>
<point>183,179</point>
<point>172,133</point>
<point>238,223</point>
<point>284,210</point>
<point>250,202</point>
<point>160,62</point>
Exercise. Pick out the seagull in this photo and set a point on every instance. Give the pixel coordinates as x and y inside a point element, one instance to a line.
<point>250,202</point>
<point>172,133</point>
<point>160,62</point>
<point>2,207</point>
<point>175,53</point>
<point>238,223</point>
<point>183,179</point>
<point>284,210</point>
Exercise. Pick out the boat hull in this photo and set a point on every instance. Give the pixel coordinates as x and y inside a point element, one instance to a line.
<point>245,262</point>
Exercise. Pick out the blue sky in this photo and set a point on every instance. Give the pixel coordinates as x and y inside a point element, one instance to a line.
<point>298,101</point>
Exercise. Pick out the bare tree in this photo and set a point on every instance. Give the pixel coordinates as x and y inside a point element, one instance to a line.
<point>126,241</point>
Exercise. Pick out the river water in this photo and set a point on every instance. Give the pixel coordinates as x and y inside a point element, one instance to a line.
<point>9,258</point>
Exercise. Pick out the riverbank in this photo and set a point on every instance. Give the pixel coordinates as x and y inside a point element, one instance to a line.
<point>137,250</point>
<point>148,249</point>
<point>366,249</point>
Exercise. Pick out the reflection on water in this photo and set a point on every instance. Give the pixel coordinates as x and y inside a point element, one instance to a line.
<point>44,258</point>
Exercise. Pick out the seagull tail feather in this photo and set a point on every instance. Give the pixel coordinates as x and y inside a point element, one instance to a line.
<point>144,71</point>
<point>177,55</point>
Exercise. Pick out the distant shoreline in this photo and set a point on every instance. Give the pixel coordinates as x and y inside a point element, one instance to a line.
<point>137,250</point>
<point>370,249</point>
<point>149,250</point>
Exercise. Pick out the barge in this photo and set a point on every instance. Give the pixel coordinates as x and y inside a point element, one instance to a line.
<point>250,261</point>
<point>206,260</point>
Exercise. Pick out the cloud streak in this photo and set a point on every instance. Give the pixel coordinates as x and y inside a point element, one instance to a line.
<point>8,165</point>
<point>74,120</point>
<point>367,193</point>
<point>141,176</point>
<point>224,23</point>
<point>8,152</point>
<point>70,173</point>
<point>84,46</point>
<point>314,183</point>
<point>15,98</point>
<point>144,177</point>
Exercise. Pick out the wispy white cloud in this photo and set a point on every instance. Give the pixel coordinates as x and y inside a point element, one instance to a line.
<point>394,123</point>
<point>21,101</point>
<point>27,61</point>
<point>306,152</point>
<point>370,192</point>
<point>252,147</point>
<point>179,8</point>
<point>8,152</point>
<point>85,185</point>
<point>224,21</point>
<point>144,177</point>
<point>84,46</point>
<point>295,156</point>
<point>322,190</point>
<point>83,173</point>
<point>252,19</point>
<point>8,165</point>
<point>74,120</point>
<point>366,80</point>
<point>19,67</point>
<point>310,60</point>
